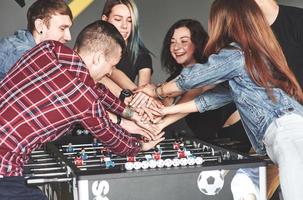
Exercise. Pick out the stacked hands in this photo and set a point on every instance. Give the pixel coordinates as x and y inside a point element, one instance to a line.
<point>147,96</point>
<point>148,114</point>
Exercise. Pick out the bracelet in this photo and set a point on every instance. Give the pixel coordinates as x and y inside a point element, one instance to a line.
<point>119,119</point>
<point>157,94</point>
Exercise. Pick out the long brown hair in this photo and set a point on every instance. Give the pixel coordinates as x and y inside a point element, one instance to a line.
<point>243,22</point>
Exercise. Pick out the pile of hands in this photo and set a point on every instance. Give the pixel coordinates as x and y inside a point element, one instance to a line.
<point>148,116</point>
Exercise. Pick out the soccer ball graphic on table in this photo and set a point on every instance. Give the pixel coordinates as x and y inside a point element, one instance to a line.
<point>210,182</point>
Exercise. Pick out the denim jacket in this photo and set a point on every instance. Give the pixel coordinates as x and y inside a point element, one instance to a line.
<point>12,48</point>
<point>227,69</point>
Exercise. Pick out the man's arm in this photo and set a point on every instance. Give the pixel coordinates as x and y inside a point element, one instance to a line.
<point>110,101</point>
<point>111,85</point>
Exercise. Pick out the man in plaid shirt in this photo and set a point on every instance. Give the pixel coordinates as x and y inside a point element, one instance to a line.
<point>51,88</point>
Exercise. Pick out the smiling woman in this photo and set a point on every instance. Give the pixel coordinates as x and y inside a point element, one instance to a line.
<point>183,47</point>
<point>136,63</point>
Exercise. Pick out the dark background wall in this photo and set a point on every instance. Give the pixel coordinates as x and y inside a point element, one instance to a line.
<point>155,18</point>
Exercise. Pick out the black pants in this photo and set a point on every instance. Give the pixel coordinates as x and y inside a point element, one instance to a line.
<point>15,188</point>
<point>208,126</point>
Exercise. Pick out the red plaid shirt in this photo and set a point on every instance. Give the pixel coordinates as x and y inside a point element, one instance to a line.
<point>47,91</point>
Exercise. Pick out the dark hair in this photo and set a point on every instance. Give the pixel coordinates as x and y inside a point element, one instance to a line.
<point>243,22</point>
<point>99,35</point>
<point>199,38</point>
<point>44,9</point>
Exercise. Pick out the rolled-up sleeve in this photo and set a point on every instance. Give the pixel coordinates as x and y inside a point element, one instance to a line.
<point>213,99</point>
<point>109,100</point>
<point>109,133</point>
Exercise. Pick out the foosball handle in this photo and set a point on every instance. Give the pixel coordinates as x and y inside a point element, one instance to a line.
<point>47,180</point>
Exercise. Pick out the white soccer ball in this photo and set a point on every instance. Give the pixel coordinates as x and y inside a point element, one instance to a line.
<point>129,166</point>
<point>176,162</point>
<point>183,161</point>
<point>160,163</point>
<point>168,162</point>
<point>210,182</point>
<point>152,164</point>
<point>191,161</point>
<point>137,165</point>
<point>145,164</point>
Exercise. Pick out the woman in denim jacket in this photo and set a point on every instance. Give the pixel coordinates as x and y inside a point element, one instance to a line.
<point>249,68</point>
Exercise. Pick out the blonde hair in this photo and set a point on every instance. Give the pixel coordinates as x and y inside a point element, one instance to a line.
<point>134,43</point>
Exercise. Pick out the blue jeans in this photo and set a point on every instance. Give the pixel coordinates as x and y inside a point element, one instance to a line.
<point>15,188</point>
<point>284,145</point>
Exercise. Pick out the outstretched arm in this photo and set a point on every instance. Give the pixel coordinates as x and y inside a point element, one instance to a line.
<point>111,85</point>
<point>122,80</point>
<point>188,96</point>
<point>144,76</point>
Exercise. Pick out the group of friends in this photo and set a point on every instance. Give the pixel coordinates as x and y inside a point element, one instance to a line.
<point>242,79</point>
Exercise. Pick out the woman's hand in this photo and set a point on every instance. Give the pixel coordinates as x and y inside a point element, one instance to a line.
<point>139,99</point>
<point>148,89</point>
<point>168,110</point>
<point>147,107</point>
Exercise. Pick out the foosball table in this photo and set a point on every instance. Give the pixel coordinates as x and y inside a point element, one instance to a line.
<point>81,168</point>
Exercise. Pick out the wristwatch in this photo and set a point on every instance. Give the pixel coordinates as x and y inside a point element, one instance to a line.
<point>125,93</point>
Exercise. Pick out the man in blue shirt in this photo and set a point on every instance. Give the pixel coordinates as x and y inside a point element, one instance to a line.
<point>47,20</point>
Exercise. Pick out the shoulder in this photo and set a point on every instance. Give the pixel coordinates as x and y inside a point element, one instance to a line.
<point>290,9</point>
<point>21,40</point>
<point>233,50</point>
<point>232,55</point>
<point>144,59</point>
<point>55,46</point>
<point>291,12</point>
<point>59,50</point>
<point>144,54</point>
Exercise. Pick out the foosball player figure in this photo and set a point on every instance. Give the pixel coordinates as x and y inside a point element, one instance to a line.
<point>131,159</point>
<point>106,151</point>
<point>156,154</point>
<point>84,155</point>
<point>70,148</point>
<point>188,154</point>
<point>181,152</point>
<point>78,160</point>
<point>95,146</point>
<point>183,146</point>
<point>177,143</point>
<point>148,157</point>
<point>108,163</point>
<point>95,143</point>
<point>159,148</point>
<point>102,156</point>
